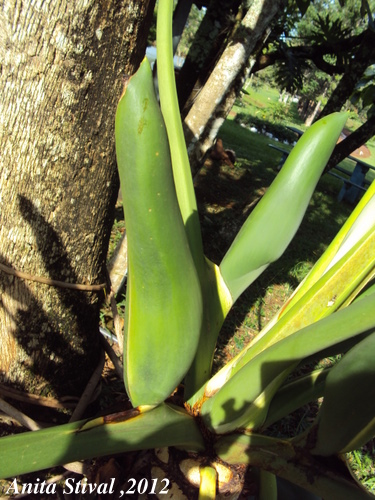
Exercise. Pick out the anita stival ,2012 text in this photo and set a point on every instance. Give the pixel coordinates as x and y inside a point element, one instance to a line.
<point>74,486</point>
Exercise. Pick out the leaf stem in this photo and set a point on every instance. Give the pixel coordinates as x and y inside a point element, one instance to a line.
<point>171,114</point>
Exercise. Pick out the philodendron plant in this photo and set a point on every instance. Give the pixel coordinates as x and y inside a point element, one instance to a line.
<point>177,301</point>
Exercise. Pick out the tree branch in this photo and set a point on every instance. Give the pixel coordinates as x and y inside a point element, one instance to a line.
<point>316,52</point>
<point>352,142</point>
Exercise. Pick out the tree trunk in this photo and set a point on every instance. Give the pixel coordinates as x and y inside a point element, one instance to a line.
<point>352,142</point>
<point>365,56</point>
<point>180,16</point>
<point>221,112</point>
<point>208,42</point>
<point>63,65</point>
<point>223,78</point>
<point>315,111</point>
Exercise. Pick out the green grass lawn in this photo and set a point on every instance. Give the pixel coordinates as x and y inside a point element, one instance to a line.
<point>259,101</point>
<point>263,103</point>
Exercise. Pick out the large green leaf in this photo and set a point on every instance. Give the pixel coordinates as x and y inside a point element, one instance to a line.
<point>160,339</point>
<point>235,404</point>
<point>295,394</point>
<point>349,400</point>
<point>164,425</point>
<point>324,297</point>
<point>273,223</point>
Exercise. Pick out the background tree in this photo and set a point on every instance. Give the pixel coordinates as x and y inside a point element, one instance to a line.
<point>327,37</point>
<point>216,98</point>
<point>305,39</point>
<point>360,60</point>
<point>310,44</point>
<point>193,22</point>
<point>364,96</point>
<point>208,44</point>
<point>63,66</point>
<point>336,38</point>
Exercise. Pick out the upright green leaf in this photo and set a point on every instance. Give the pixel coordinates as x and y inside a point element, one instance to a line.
<point>216,298</point>
<point>271,226</point>
<point>217,302</point>
<point>349,398</point>
<point>163,299</point>
<point>207,487</point>
<point>267,486</point>
<point>171,113</point>
<point>360,221</point>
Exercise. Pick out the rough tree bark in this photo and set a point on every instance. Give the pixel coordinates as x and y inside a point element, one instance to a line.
<point>210,109</point>
<point>62,72</point>
<point>205,49</point>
